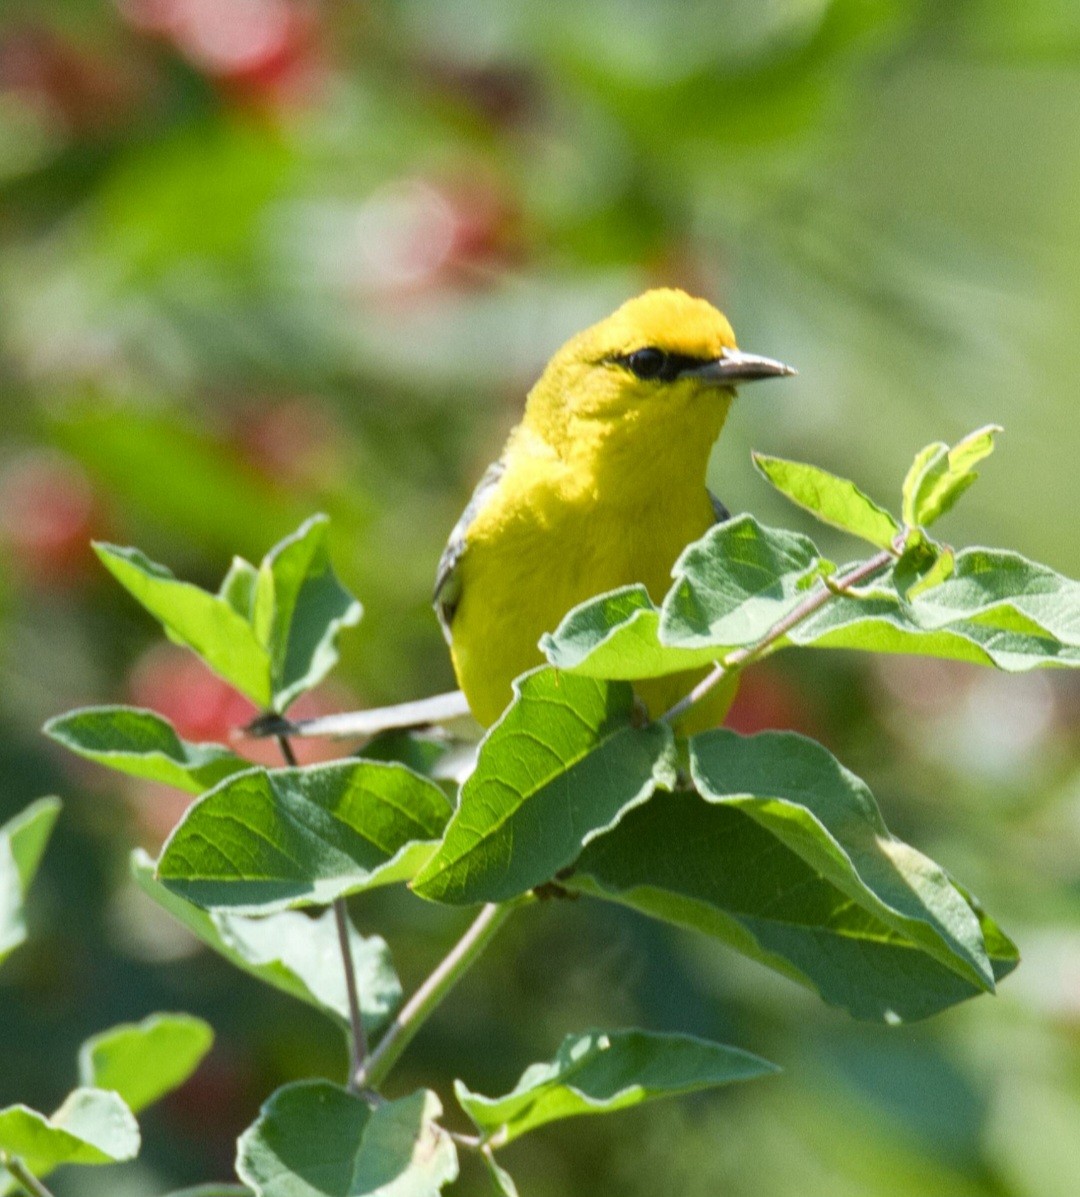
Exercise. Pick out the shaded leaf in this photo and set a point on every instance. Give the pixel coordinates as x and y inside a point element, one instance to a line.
<point>822,812</point>
<point>143,744</point>
<point>315,1139</point>
<point>23,840</point>
<point>563,764</point>
<point>294,953</point>
<point>599,1072</point>
<point>299,608</point>
<point>144,1061</point>
<point>262,841</point>
<point>91,1127</point>
<point>203,622</point>
<point>832,499</point>
<point>713,869</point>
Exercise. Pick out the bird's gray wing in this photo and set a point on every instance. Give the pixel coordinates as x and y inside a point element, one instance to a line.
<point>447,577</point>
<point>719,510</point>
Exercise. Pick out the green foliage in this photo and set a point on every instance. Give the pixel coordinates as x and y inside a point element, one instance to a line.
<point>269,632</point>
<point>141,1062</point>
<point>562,765</point>
<point>265,840</point>
<point>22,844</point>
<point>599,1072</point>
<point>831,499</point>
<point>91,1127</point>
<point>145,745</point>
<point>289,950</point>
<point>315,1139</point>
<point>766,843</point>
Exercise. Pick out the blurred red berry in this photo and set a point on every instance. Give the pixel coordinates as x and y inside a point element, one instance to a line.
<point>49,513</point>
<point>768,701</point>
<point>297,441</point>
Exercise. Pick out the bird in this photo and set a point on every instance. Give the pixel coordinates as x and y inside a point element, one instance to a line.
<point>601,485</point>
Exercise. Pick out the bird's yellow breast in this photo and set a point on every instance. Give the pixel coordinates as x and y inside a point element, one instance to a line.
<point>551,536</point>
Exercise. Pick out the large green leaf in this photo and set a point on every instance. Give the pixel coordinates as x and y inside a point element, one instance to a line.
<point>143,744</point>
<point>144,1061</point>
<point>827,816</point>
<point>713,868</point>
<point>298,609</point>
<point>994,608</point>
<point>203,622</point>
<point>563,764</point>
<point>22,844</point>
<point>291,951</point>
<point>832,499</point>
<point>315,1139</point>
<point>91,1127</point>
<point>262,841</point>
<point>730,588</point>
<point>598,1072</point>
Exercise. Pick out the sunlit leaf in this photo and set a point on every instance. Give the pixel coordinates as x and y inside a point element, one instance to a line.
<point>564,763</point>
<point>144,1061</point>
<point>91,1127</point>
<point>143,744</point>
<point>832,499</point>
<point>262,841</point>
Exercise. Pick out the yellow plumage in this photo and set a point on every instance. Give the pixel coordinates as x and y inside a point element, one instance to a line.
<point>601,485</point>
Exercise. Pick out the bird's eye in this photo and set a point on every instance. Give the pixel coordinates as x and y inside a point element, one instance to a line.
<point>647,363</point>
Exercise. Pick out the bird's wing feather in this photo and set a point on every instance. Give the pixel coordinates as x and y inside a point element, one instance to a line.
<point>719,510</point>
<point>447,577</point>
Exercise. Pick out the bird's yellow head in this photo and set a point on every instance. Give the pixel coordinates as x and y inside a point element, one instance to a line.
<point>662,359</point>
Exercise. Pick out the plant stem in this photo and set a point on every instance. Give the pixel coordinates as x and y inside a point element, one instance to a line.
<point>814,601</point>
<point>23,1175</point>
<point>423,1002</point>
<point>357,1036</point>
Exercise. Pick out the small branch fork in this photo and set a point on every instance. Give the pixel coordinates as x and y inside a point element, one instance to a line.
<point>26,1179</point>
<point>814,601</point>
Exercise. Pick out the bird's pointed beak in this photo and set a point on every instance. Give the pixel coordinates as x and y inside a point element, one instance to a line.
<point>733,366</point>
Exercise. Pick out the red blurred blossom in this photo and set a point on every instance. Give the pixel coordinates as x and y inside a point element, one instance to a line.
<point>49,513</point>
<point>203,708</point>
<point>298,441</point>
<point>256,49</point>
<point>768,701</point>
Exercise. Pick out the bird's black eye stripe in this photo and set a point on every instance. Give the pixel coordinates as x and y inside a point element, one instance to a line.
<point>655,363</point>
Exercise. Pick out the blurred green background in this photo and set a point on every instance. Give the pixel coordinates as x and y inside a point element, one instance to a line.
<point>265,257</point>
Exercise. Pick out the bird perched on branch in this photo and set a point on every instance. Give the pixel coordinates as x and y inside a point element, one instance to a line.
<point>601,485</point>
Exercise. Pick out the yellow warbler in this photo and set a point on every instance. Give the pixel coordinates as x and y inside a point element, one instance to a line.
<point>602,484</point>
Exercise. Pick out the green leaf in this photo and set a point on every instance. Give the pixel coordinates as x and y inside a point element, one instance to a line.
<point>800,793</point>
<point>143,744</point>
<point>298,610</point>
<point>599,1072</point>
<point>942,568</point>
<point>203,622</point>
<point>832,499</point>
<point>715,869</point>
<point>144,1061</point>
<point>940,475</point>
<point>930,464</point>
<point>315,1139</point>
<point>291,951</point>
<point>238,587</point>
<point>213,1190</point>
<point>563,764</point>
<point>501,1180</point>
<point>91,1127</point>
<point>22,844</point>
<point>262,841</point>
<point>730,588</point>
<point>995,608</point>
